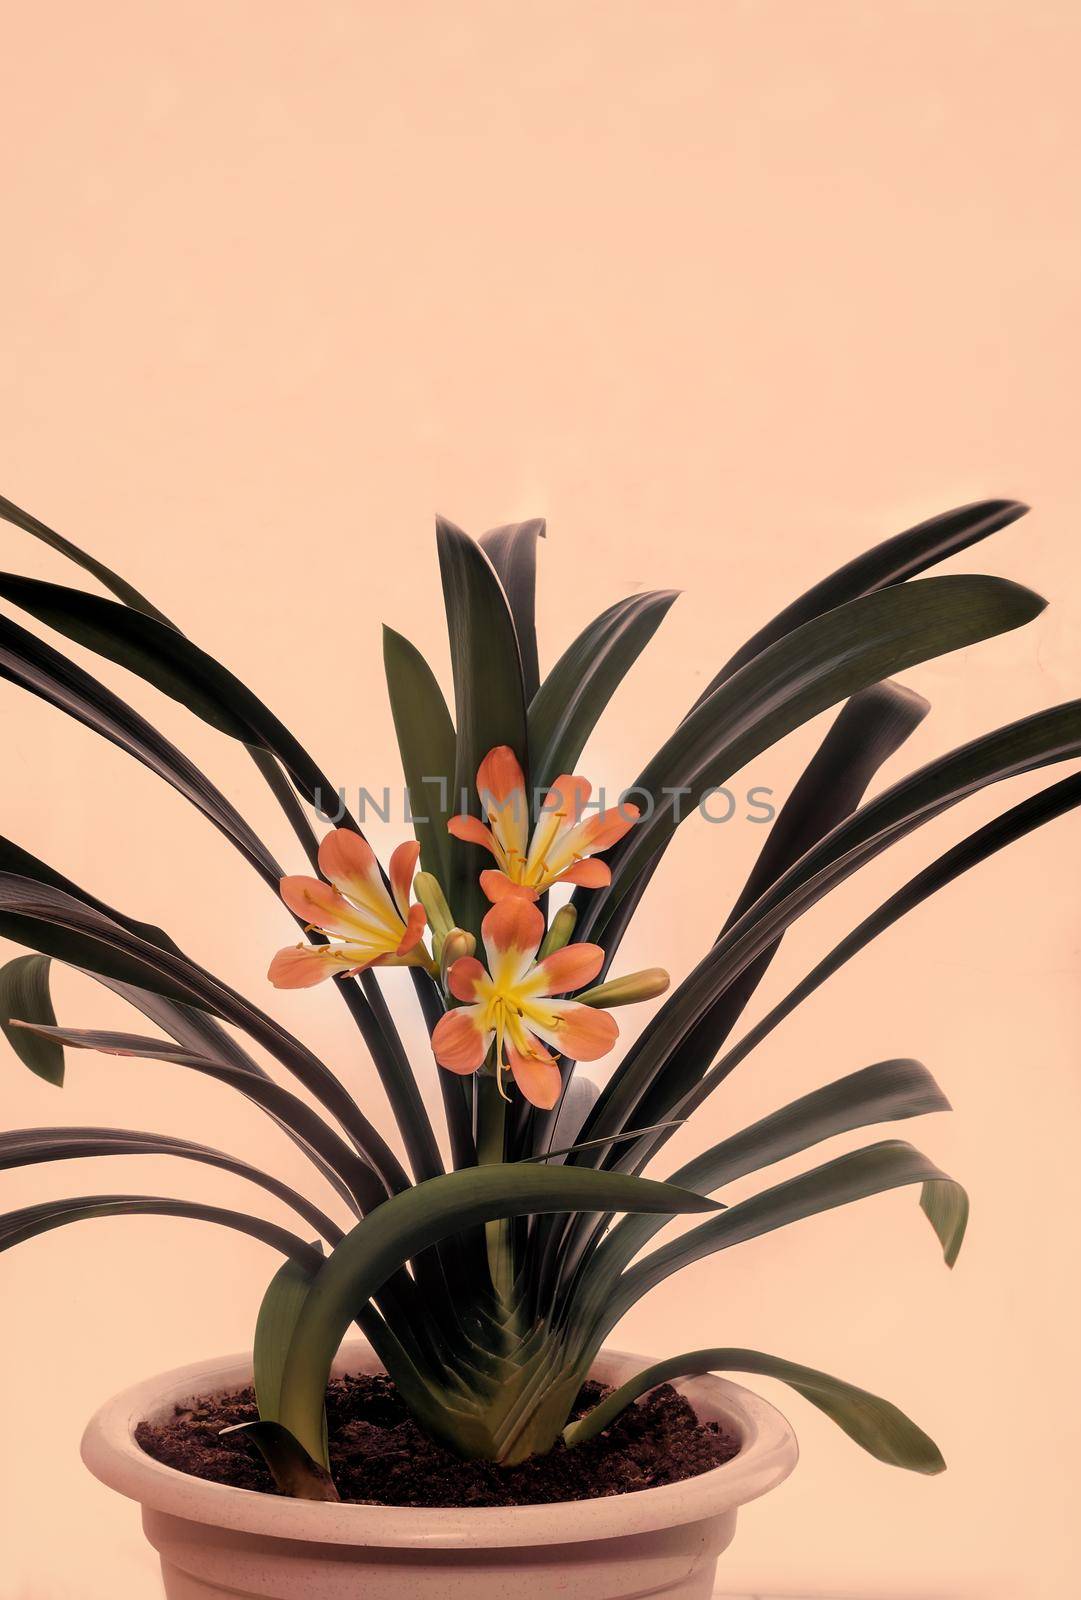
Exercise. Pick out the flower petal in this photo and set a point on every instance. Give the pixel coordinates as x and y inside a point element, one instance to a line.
<point>587,874</point>
<point>473,831</point>
<point>459,1042</point>
<point>503,798</point>
<point>537,1076</point>
<point>570,968</point>
<point>497,886</point>
<point>563,806</point>
<point>321,906</point>
<point>301,966</point>
<point>403,864</point>
<point>464,977</point>
<point>415,925</point>
<point>349,862</point>
<point>512,931</point>
<point>606,829</point>
<point>500,775</point>
<point>567,797</point>
<point>580,1032</point>
<point>591,836</point>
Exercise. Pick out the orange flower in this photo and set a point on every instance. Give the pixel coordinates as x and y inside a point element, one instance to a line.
<point>562,840</point>
<point>512,1003</point>
<point>354,908</point>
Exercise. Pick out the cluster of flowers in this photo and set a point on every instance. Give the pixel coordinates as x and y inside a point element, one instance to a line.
<point>511,1007</point>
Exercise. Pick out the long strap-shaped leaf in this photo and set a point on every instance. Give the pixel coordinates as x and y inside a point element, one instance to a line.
<point>28,661</point>
<point>893,561</point>
<point>826,660</point>
<point>889,1091</point>
<point>489,701</point>
<point>512,550</point>
<point>18,1226</point>
<point>1049,736</point>
<point>154,649</point>
<point>40,907</point>
<point>106,577</point>
<point>26,1147</point>
<point>24,993</point>
<point>417,1219</point>
<point>876,1426</point>
<point>286,1108</point>
<point>203,1035</point>
<point>426,742</point>
<point>130,596</point>
<point>855,1176</point>
<point>164,657</point>
<point>870,728</point>
<point>573,696</point>
<point>1054,801</point>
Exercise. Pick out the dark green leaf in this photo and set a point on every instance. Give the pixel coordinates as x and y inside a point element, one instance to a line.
<point>200,1034</point>
<point>427,745</point>
<point>889,1091</point>
<point>489,702</point>
<point>1049,803</point>
<point>32,664</point>
<point>30,1221</point>
<point>286,1109</point>
<point>512,550</point>
<point>573,696</point>
<point>851,1177</point>
<point>105,576</point>
<point>895,560</point>
<point>274,1327</point>
<point>44,909</point>
<point>1046,737</point>
<point>826,660</point>
<point>24,993</point>
<point>25,1147</point>
<point>874,1424</point>
<point>869,730</point>
<point>162,656</point>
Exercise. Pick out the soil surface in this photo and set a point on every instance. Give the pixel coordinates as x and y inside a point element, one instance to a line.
<point>379,1456</point>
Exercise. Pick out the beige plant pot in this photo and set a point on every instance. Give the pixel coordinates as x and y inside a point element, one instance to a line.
<point>214,1540</point>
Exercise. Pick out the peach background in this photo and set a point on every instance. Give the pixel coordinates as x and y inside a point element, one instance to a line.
<point>727,291</point>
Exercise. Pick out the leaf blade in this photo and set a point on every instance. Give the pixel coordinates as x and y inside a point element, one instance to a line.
<point>876,1425</point>
<point>826,660</point>
<point>573,697</point>
<point>427,745</point>
<point>512,550</point>
<point>24,992</point>
<point>489,699</point>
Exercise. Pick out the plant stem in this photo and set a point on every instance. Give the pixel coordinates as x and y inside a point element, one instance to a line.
<point>491,1148</point>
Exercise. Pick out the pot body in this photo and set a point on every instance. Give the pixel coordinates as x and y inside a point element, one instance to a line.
<point>216,1541</point>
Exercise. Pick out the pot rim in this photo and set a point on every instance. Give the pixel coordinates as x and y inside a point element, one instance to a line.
<point>768,1453</point>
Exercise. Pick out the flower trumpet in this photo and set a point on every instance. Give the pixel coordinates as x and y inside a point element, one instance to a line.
<point>367,925</point>
<point>562,842</point>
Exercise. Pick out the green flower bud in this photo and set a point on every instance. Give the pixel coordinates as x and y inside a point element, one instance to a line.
<point>645,985</point>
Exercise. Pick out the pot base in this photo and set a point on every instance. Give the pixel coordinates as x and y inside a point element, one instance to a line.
<point>679,1564</point>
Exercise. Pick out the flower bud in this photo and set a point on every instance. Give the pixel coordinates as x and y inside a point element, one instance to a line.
<point>457,944</point>
<point>428,892</point>
<point>559,933</point>
<point>645,985</point>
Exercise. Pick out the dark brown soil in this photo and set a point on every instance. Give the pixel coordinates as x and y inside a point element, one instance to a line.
<point>379,1456</point>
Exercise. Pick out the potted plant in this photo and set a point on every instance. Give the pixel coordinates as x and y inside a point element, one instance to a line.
<point>486,1288</point>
